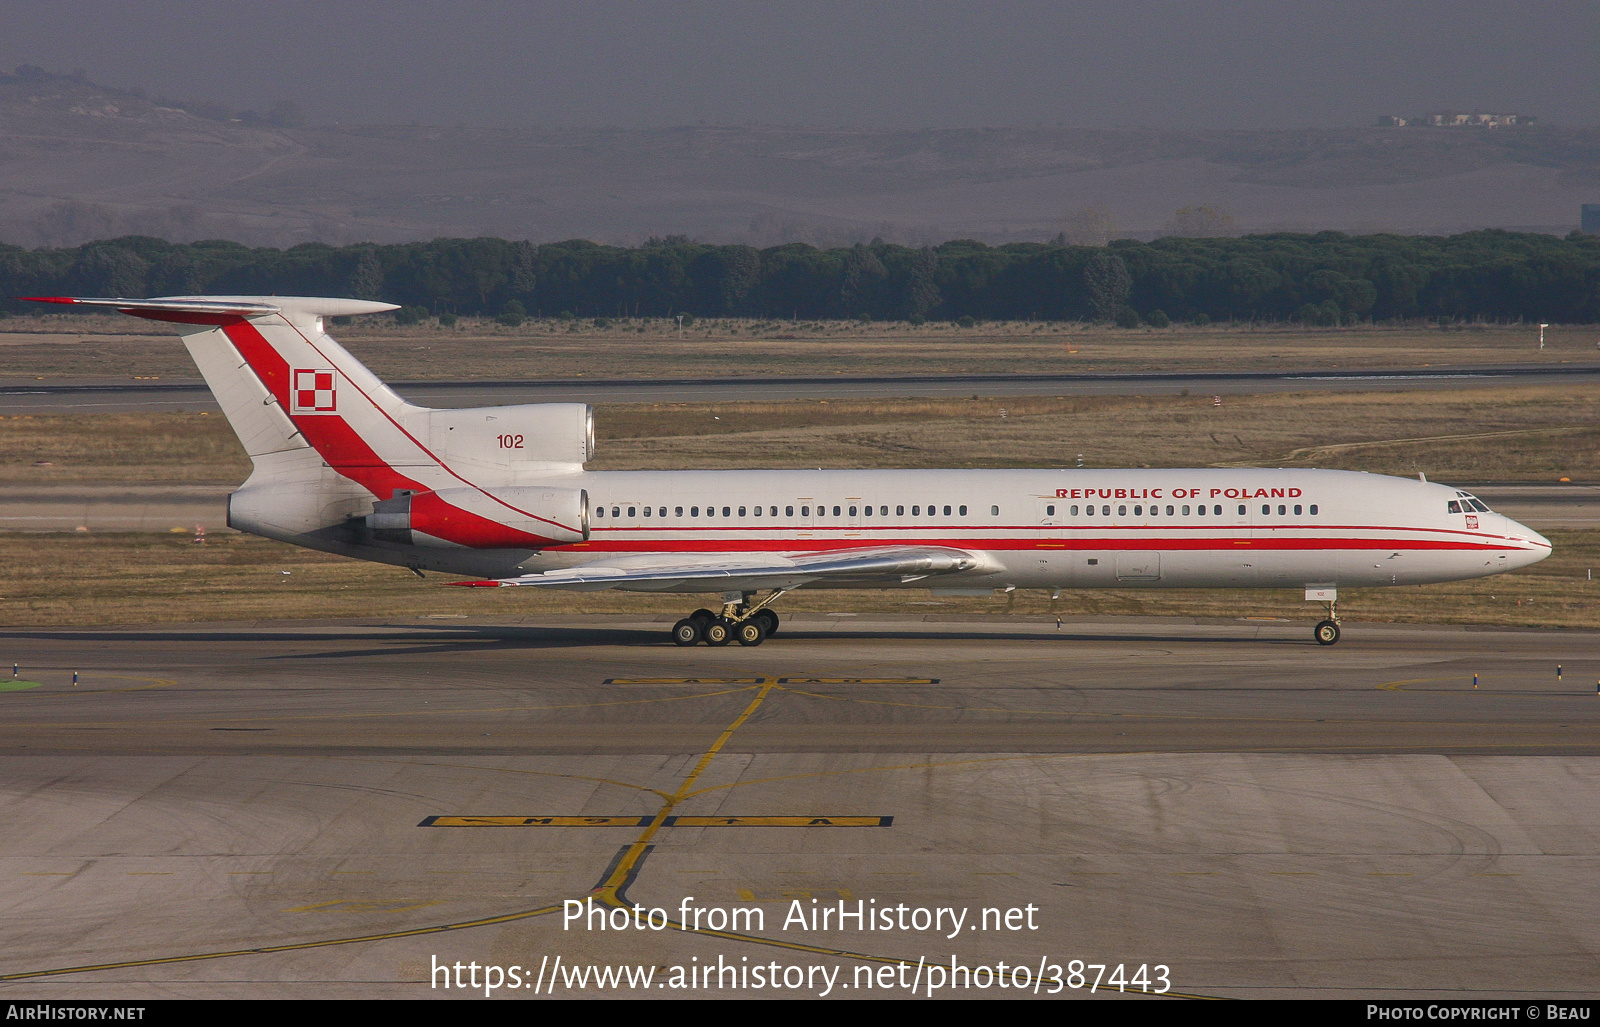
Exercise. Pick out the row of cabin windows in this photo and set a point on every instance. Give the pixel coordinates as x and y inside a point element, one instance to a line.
<point>788,511</point>
<point>1176,511</point>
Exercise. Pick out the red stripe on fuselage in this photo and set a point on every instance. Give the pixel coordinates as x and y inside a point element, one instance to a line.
<point>598,543</point>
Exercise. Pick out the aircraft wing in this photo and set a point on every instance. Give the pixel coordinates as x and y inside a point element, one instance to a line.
<point>711,572</point>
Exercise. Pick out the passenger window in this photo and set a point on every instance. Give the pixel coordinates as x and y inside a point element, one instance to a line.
<point>616,511</point>
<point>1122,511</point>
<point>694,511</point>
<point>647,511</point>
<point>866,511</point>
<point>899,511</point>
<point>916,510</point>
<point>1186,511</point>
<point>1138,511</point>
<point>962,511</point>
<point>1266,510</point>
<point>883,511</point>
<point>741,511</point>
<point>1169,511</point>
<point>633,512</point>
<point>852,511</point>
<point>775,511</point>
<point>1241,509</point>
<point>1297,509</point>
<point>788,511</point>
<point>836,511</point>
<point>1202,511</point>
<point>1073,511</point>
<point>677,511</point>
<point>1105,511</point>
<point>1313,509</point>
<point>725,512</point>
<point>1282,509</point>
<point>1050,511</point>
<point>805,511</point>
<point>600,512</point>
<point>947,511</point>
<point>757,511</point>
<point>994,511</point>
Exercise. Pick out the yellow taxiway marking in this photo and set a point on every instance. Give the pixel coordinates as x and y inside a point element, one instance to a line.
<point>669,821</point>
<point>856,681</point>
<point>684,681</point>
<point>1398,686</point>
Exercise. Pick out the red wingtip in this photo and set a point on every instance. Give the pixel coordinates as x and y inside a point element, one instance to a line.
<point>48,299</point>
<point>475,584</point>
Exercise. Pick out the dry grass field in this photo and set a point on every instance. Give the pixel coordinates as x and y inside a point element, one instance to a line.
<point>61,347</point>
<point>1530,433</point>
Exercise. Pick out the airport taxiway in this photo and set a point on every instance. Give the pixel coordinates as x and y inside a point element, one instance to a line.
<point>118,396</point>
<point>238,810</point>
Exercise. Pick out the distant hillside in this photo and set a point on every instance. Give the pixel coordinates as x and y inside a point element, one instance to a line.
<point>80,161</point>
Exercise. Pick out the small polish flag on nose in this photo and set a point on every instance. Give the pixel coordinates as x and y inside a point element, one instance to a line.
<point>313,391</point>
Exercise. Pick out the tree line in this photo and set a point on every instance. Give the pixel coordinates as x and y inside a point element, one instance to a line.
<point>1326,278</point>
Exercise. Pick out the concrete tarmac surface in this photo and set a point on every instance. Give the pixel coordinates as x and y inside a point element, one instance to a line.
<point>238,810</point>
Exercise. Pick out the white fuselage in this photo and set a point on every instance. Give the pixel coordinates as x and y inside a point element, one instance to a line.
<point>1288,528</point>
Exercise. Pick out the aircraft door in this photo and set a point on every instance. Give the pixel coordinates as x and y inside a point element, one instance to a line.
<point>804,518</point>
<point>1052,517</point>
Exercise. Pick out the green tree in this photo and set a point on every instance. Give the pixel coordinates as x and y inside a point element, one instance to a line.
<point>512,314</point>
<point>1106,283</point>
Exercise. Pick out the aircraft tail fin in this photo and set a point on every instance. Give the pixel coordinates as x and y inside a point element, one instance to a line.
<point>285,385</point>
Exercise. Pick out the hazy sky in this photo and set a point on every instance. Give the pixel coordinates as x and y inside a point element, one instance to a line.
<point>894,63</point>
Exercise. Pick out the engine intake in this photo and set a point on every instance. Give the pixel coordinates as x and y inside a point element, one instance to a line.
<point>524,517</point>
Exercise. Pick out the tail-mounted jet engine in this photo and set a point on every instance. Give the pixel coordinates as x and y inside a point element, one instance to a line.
<point>525,517</point>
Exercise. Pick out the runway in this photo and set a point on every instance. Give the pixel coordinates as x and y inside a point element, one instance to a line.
<point>115,396</point>
<point>238,810</point>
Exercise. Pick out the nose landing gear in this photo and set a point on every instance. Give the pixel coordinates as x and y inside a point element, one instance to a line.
<point>741,622</point>
<point>1327,631</point>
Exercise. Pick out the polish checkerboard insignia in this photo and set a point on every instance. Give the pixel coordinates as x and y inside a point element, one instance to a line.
<point>312,391</point>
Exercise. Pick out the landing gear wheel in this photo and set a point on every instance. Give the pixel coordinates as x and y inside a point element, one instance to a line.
<point>686,632</point>
<point>717,633</point>
<point>769,621</point>
<point>1326,632</point>
<point>704,617</point>
<point>750,632</point>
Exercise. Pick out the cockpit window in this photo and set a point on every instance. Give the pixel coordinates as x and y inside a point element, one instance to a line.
<point>1477,504</point>
<point>1469,503</point>
<point>1454,506</point>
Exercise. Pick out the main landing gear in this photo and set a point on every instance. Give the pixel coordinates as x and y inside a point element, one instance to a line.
<point>1327,631</point>
<point>739,622</point>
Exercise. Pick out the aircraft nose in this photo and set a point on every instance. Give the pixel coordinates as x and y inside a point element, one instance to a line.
<point>1535,546</point>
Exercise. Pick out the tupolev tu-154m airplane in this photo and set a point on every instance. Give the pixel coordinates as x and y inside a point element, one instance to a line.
<point>344,465</point>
